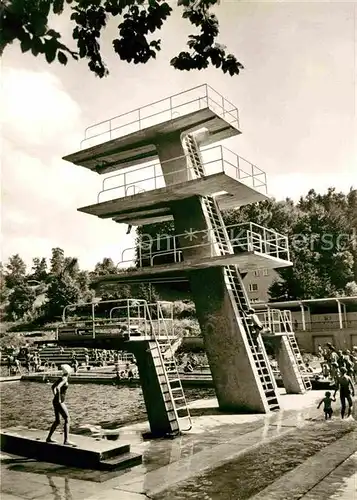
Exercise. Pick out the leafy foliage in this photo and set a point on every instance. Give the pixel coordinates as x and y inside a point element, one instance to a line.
<point>15,271</point>
<point>63,290</point>
<point>4,291</point>
<point>204,49</point>
<point>351,289</point>
<point>27,21</point>
<point>39,269</point>
<point>57,261</point>
<point>20,302</point>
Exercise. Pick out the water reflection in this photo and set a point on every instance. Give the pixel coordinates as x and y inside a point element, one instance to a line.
<point>60,492</point>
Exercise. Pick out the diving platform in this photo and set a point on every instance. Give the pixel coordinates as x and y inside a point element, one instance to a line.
<point>145,330</point>
<point>246,261</point>
<point>233,182</point>
<point>130,138</point>
<point>87,453</point>
<point>253,247</point>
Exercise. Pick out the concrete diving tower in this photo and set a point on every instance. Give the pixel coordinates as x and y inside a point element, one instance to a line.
<point>191,184</point>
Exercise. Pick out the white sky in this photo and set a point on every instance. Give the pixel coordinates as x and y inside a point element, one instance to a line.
<point>296,97</point>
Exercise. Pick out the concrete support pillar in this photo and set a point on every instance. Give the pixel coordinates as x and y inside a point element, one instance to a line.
<point>303,317</point>
<point>289,371</point>
<point>345,315</point>
<point>234,374</point>
<point>172,159</point>
<point>152,391</point>
<point>236,383</point>
<point>340,320</point>
<point>309,317</point>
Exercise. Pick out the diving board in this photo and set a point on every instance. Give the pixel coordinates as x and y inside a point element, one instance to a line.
<point>88,453</point>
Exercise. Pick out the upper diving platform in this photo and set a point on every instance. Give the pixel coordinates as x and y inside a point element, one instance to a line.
<point>143,196</point>
<point>130,139</point>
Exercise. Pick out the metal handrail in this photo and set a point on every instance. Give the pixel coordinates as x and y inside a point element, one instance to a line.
<point>252,236</point>
<point>250,241</point>
<point>226,108</point>
<point>128,303</point>
<point>220,158</point>
<point>276,320</point>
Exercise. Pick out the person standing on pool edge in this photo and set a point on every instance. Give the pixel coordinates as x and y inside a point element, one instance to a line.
<point>59,389</point>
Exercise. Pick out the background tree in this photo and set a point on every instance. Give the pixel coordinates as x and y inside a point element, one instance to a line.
<point>15,271</point>
<point>4,291</point>
<point>39,269</point>
<point>20,301</point>
<point>351,289</point>
<point>105,267</point>
<point>83,280</point>
<point>27,21</point>
<point>63,288</point>
<point>57,261</point>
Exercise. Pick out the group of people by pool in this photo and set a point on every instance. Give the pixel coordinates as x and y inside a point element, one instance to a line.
<point>18,357</point>
<point>341,367</point>
<point>333,360</point>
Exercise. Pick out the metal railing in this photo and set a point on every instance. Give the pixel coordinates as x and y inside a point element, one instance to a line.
<point>245,237</point>
<point>215,160</point>
<point>319,326</point>
<point>169,108</point>
<point>276,320</point>
<point>133,318</point>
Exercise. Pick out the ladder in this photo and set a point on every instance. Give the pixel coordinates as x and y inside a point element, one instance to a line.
<point>299,361</point>
<point>192,149</point>
<point>261,361</point>
<point>169,378</point>
<point>296,351</point>
<point>233,279</point>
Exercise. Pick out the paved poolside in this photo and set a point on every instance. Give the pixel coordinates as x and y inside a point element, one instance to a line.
<point>216,440</point>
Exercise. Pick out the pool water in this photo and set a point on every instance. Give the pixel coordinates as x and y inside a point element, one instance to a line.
<point>110,406</point>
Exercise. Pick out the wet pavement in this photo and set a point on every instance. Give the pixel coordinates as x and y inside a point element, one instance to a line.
<point>340,484</point>
<point>224,457</point>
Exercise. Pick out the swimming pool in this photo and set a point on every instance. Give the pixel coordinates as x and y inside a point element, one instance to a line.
<point>110,406</point>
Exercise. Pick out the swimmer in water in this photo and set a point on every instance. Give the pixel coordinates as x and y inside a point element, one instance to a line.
<point>59,389</point>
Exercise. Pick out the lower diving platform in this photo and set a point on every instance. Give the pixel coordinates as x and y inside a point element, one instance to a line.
<point>146,330</point>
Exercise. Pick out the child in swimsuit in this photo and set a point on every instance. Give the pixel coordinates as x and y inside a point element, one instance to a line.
<point>327,400</point>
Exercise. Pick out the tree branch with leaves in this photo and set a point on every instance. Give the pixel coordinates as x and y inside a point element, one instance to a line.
<point>27,21</point>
